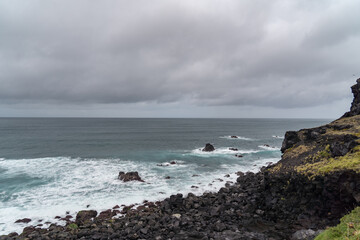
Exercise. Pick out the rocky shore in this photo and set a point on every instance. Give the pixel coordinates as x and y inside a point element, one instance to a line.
<point>316,182</point>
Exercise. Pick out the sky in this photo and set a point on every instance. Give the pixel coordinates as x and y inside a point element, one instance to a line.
<point>167,58</point>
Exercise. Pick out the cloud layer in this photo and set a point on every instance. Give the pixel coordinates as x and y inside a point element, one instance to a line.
<point>280,54</point>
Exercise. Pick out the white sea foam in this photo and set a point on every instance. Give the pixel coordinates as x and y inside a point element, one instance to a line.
<point>269,148</point>
<point>221,151</point>
<point>238,138</point>
<point>70,184</point>
<point>279,137</point>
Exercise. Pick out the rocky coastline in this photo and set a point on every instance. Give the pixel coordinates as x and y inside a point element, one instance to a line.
<point>316,182</point>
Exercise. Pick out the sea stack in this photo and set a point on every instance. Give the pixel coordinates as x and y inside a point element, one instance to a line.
<point>208,148</point>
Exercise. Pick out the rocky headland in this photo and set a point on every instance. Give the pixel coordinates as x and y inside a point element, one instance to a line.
<point>316,182</point>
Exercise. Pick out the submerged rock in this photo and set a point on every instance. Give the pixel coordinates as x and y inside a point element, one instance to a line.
<point>234,136</point>
<point>208,148</point>
<point>129,176</point>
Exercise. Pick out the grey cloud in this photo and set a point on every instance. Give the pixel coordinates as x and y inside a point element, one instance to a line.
<point>262,53</point>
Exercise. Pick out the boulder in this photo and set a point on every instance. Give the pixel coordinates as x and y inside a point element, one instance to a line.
<point>85,216</point>
<point>343,145</point>
<point>129,176</point>
<point>208,148</point>
<point>24,220</point>
<point>233,149</point>
<point>234,136</point>
<point>107,214</point>
<point>304,234</point>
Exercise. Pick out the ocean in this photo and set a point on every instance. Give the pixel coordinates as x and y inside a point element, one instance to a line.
<point>50,166</point>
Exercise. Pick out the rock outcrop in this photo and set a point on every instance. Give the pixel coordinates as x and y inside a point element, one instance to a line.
<point>85,216</point>
<point>208,148</point>
<point>129,176</point>
<point>355,105</point>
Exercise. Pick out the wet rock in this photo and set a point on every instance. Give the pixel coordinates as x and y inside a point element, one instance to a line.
<point>238,155</point>
<point>208,148</point>
<point>107,214</point>
<point>233,149</point>
<point>116,207</point>
<point>28,230</point>
<point>234,136</point>
<point>239,173</point>
<point>167,177</point>
<point>85,216</point>
<point>13,234</point>
<point>129,176</point>
<point>24,220</point>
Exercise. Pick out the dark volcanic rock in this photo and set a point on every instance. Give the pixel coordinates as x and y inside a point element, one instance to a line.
<point>24,220</point>
<point>343,145</point>
<point>107,214</point>
<point>355,105</point>
<point>85,216</point>
<point>208,148</point>
<point>291,138</point>
<point>233,149</point>
<point>129,176</point>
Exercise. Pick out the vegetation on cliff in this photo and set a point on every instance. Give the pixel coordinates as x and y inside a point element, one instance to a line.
<point>349,228</point>
<point>326,149</point>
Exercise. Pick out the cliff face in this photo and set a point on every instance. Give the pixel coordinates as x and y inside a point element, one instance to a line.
<point>325,149</point>
<point>355,106</point>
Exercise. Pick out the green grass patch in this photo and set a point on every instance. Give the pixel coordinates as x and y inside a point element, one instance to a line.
<point>73,226</point>
<point>348,228</point>
<point>351,161</point>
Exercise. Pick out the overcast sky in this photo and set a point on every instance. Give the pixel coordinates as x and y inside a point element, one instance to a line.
<point>185,58</point>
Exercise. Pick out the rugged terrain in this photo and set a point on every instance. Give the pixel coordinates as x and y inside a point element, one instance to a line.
<point>316,182</point>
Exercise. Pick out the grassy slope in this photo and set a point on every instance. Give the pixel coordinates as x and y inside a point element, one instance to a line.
<point>349,228</point>
<point>314,158</point>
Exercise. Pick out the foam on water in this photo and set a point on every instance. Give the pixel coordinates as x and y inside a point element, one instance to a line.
<point>238,138</point>
<point>59,184</point>
<point>221,151</point>
<point>269,148</point>
<point>278,137</point>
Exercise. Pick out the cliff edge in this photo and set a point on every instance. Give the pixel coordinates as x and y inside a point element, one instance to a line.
<point>325,149</point>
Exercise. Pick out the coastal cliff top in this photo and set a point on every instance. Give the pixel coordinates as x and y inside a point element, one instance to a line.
<point>329,148</point>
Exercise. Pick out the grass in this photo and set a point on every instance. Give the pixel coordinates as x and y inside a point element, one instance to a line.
<point>351,161</point>
<point>296,151</point>
<point>73,226</point>
<point>348,228</point>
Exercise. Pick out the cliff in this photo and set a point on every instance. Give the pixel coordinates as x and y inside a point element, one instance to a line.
<point>329,148</point>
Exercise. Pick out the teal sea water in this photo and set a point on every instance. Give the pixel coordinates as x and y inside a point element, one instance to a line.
<point>52,165</point>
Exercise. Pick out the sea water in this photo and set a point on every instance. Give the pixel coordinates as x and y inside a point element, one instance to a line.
<point>50,166</point>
